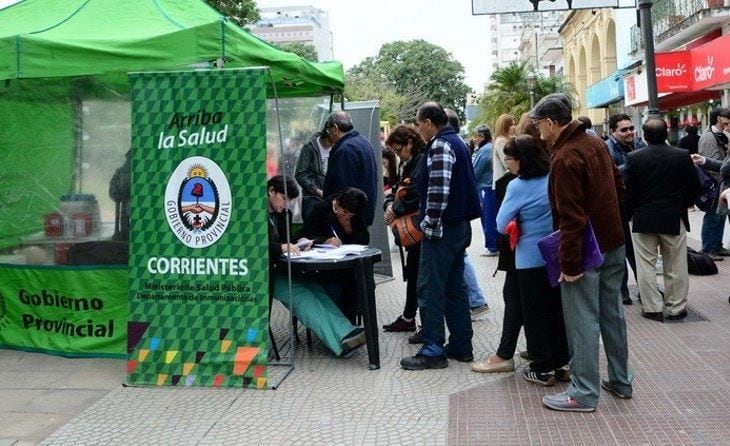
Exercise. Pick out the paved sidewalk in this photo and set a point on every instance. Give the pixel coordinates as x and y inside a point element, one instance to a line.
<point>681,394</point>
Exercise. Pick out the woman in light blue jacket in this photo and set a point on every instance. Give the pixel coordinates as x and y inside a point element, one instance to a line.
<point>526,201</point>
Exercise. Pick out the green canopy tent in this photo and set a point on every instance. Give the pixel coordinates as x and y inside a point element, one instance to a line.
<point>52,52</point>
<point>64,108</point>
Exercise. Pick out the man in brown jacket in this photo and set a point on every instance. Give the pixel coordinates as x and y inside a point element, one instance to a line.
<point>584,186</point>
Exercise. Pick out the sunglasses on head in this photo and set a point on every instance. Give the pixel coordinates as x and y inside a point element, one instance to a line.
<point>626,129</point>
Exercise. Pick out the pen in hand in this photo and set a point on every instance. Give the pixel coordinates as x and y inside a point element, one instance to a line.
<point>337,238</point>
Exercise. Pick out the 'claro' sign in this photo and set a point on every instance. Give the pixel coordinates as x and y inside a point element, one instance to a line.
<point>700,68</point>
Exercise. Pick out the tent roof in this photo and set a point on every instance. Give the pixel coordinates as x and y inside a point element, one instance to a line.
<point>58,38</point>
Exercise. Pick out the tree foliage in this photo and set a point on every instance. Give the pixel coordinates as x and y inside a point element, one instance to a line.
<point>242,12</point>
<point>417,71</point>
<point>301,49</point>
<point>509,92</point>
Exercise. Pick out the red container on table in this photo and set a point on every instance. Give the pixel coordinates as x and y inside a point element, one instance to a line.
<point>61,256</point>
<point>53,223</point>
<point>81,224</point>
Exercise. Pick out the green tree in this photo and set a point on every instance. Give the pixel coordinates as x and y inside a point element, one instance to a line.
<point>418,71</point>
<point>304,50</point>
<point>242,12</point>
<point>394,107</point>
<point>509,92</point>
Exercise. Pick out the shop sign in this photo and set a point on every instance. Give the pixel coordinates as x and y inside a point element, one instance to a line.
<point>673,71</point>
<point>711,63</point>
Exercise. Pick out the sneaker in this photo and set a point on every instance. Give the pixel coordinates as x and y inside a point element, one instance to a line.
<point>400,325</point>
<point>546,379</point>
<point>416,338</point>
<point>354,339</point>
<point>565,403</point>
<point>479,311</point>
<point>627,300</point>
<point>611,387</point>
<point>490,253</point>
<point>486,366</point>
<point>563,373</point>
<point>525,355</point>
<point>420,362</point>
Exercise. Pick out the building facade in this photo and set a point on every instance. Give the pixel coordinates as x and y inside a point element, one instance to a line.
<point>300,24</point>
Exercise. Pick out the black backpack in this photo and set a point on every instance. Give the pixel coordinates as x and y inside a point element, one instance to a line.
<point>700,264</point>
<point>706,199</point>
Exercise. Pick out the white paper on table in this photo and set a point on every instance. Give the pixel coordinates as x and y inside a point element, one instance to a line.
<point>331,253</point>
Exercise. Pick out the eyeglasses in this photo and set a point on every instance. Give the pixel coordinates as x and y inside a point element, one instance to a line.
<point>341,211</point>
<point>396,148</point>
<point>626,129</point>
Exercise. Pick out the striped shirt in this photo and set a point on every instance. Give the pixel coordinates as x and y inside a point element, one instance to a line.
<point>440,162</point>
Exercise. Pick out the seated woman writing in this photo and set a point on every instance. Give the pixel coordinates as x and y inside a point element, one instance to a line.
<point>338,219</point>
<point>309,301</point>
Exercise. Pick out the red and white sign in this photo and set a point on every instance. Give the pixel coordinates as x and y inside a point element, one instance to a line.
<point>711,64</point>
<point>673,71</point>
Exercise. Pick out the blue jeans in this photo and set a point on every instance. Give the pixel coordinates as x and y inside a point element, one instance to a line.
<point>442,291</point>
<point>489,217</point>
<point>713,226</point>
<point>476,296</point>
<point>592,306</point>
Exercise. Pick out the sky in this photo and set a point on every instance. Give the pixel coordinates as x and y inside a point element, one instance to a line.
<point>360,28</point>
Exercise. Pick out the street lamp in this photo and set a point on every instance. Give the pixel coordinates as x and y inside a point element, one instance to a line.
<point>531,83</point>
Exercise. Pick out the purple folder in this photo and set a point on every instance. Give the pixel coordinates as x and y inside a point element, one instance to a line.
<point>550,245</point>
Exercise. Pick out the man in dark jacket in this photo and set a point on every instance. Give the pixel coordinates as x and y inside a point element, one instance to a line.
<point>449,201</point>
<point>311,170</point>
<point>351,163</point>
<point>622,142</point>
<point>585,187</point>
<point>661,182</point>
<point>690,140</point>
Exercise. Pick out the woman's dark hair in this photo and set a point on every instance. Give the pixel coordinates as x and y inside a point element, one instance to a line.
<point>352,200</point>
<point>527,126</point>
<point>534,160</point>
<point>278,181</point>
<point>402,134</point>
<point>484,131</point>
<point>391,173</point>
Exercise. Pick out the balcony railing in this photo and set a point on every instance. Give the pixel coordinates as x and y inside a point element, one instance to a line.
<point>668,14</point>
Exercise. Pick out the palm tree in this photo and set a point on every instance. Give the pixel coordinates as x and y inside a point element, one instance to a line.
<point>509,92</point>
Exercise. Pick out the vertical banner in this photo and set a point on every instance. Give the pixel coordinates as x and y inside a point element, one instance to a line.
<point>198,267</point>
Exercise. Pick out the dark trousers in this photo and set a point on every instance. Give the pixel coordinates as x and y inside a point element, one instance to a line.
<point>411,270</point>
<point>542,313</point>
<point>442,291</point>
<point>512,322</point>
<point>632,261</point>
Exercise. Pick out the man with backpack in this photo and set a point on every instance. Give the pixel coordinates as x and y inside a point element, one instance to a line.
<point>713,145</point>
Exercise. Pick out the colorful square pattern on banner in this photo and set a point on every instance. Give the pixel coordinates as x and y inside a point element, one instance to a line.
<point>198,268</point>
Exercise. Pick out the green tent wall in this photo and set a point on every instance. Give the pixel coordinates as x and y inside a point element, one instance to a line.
<point>53,53</point>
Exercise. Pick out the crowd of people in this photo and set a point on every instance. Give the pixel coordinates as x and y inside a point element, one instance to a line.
<point>525,180</point>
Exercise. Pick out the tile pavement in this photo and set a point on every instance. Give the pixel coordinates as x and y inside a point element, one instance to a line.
<point>682,392</point>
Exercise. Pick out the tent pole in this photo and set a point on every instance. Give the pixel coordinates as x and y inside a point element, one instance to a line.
<point>288,235</point>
